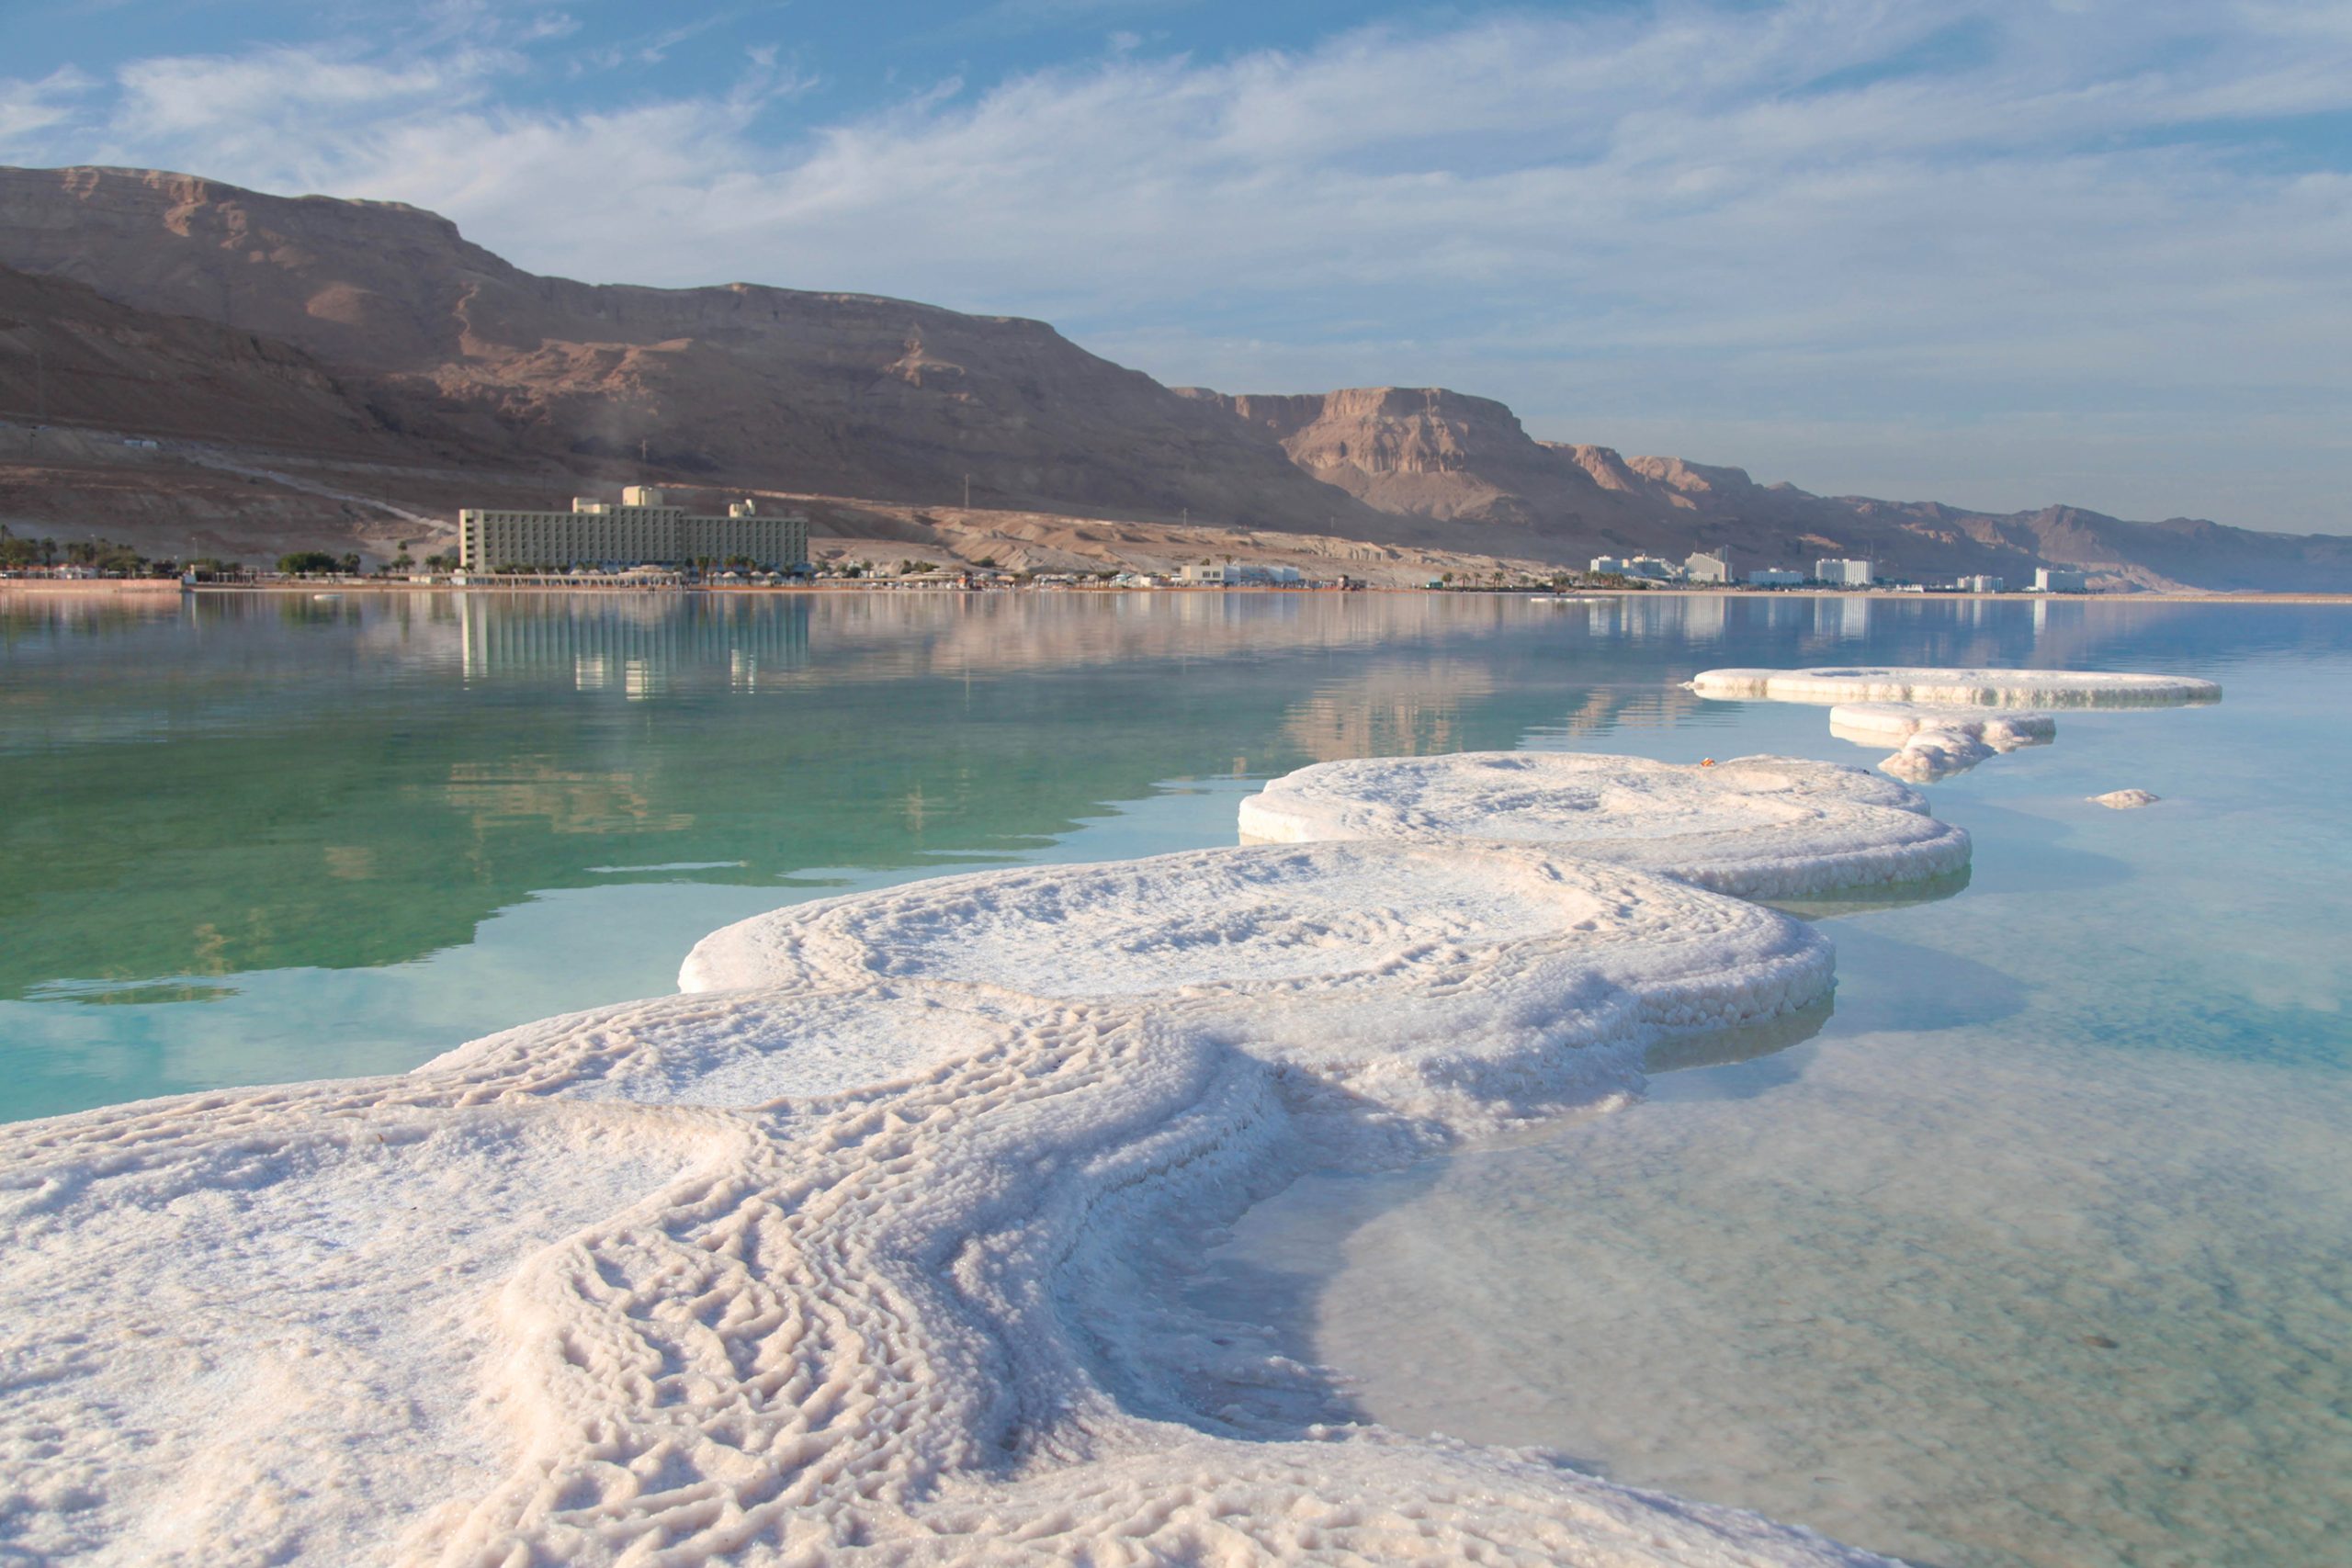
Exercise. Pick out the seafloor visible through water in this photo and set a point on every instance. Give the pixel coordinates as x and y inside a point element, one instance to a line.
<point>2038,1250</point>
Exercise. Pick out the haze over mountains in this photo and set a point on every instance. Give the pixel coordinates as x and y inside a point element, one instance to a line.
<point>322,371</point>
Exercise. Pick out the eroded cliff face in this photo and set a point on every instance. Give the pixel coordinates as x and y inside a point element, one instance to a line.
<point>70,356</point>
<point>1467,463</point>
<point>845,394</point>
<point>1430,452</point>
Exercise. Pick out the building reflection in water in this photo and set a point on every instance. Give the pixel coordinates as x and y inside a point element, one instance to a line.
<point>1846,618</point>
<point>1399,708</point>
<point>644,648</point>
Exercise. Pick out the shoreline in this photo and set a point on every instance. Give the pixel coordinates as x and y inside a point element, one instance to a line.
<point>156,588</point>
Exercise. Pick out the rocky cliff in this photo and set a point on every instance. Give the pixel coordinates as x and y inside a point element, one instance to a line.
<point>1466,462</point>
<point>844,394</point>
<point>407,370</point>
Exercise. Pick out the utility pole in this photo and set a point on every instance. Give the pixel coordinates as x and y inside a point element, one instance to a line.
<point>968,493</point>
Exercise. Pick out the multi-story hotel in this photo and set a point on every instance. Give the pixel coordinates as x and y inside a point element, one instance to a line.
<point>640,530</point>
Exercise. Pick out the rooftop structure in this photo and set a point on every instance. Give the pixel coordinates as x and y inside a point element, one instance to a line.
<point>641,530</point>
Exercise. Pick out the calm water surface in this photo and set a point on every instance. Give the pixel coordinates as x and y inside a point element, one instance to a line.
<point>2037,1251</point>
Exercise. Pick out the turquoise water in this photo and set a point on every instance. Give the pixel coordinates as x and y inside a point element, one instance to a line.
<point>2034,1251</point>
<point>2038,1251</point>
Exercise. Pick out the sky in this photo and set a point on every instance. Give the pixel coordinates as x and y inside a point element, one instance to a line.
<point>2003,254</point>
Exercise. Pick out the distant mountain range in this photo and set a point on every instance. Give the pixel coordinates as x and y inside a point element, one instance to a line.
<point>322,369</point>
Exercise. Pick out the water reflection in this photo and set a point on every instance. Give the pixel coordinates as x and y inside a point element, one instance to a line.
<point>1747,1043</point>
<point>640,646</point>
<point>221,786</point>
<point>1877,899</point>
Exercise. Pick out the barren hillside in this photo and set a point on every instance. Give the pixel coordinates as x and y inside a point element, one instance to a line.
<point>320,370</point>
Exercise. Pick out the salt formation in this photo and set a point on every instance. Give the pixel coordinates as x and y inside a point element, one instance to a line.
<point>846,1271</point>
<point>1756,826</point>
<point>1935,742</point>
<point>2125,799</point>
<point>1435,970</point>
<point>1936,718</point>
<point>1960,688</point>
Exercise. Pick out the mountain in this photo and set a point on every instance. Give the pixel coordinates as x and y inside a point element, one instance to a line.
<point>1466,462</point>
<point>322,371</point>
<point>470,359</point>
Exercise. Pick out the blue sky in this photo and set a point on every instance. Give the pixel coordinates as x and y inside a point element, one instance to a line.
<point>2000,254</point>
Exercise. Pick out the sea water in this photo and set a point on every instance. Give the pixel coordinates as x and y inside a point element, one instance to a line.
<point>2032,1252</point>
<point>2039,1251</point>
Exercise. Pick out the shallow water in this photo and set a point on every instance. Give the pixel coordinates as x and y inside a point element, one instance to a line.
<point>2033,1251</point>
<point>252,839</point>
<point>2039,1252</point>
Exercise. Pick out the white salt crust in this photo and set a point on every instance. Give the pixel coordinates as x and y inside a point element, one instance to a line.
<point>1934,743</point>
<point>1963,688</point>
<point>2125,799</point>
<point>847,1273</point>
<point>1756,826</point>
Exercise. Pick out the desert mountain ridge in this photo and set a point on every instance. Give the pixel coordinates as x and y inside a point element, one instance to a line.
<point>314,371</point>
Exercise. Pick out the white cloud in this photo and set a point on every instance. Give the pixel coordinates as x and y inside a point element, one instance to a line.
<point>30,110</point>
<point>2108,215</point>
<point>223,103</point>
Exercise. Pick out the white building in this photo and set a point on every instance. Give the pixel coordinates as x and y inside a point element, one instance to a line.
<point>2057,579</point>
<point>641,530</point>
<point>1842,573</point>
<point>1647,567</point>
<point>1240,574</point>
<point>1704,568</point>
<point>1775,577</point>
<point>1981,584</point>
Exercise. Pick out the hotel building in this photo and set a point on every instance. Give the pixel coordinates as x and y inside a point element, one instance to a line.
<point>640,530</point>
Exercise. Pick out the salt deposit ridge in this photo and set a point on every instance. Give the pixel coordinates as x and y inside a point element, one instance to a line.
<point>840,1256</point>
<point>1939,720</point>
<point>1968,688</point>
<point>1756,827</point>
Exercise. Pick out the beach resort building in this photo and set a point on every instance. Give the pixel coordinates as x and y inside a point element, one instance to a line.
<point>1981,584</point>
<point>1648,567</point>
<point>1703,567</point>
<point>2057,579</point>
<point>1774,577</point>
<point>643,529</point>
<point>1240,574</point>
<point>1842,573</point>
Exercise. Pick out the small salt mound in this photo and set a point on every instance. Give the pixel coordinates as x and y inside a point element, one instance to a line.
<point>2125,799</point>
<point>1754,827</point>
<point>1937,742</point>
<point>1968,688</point>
